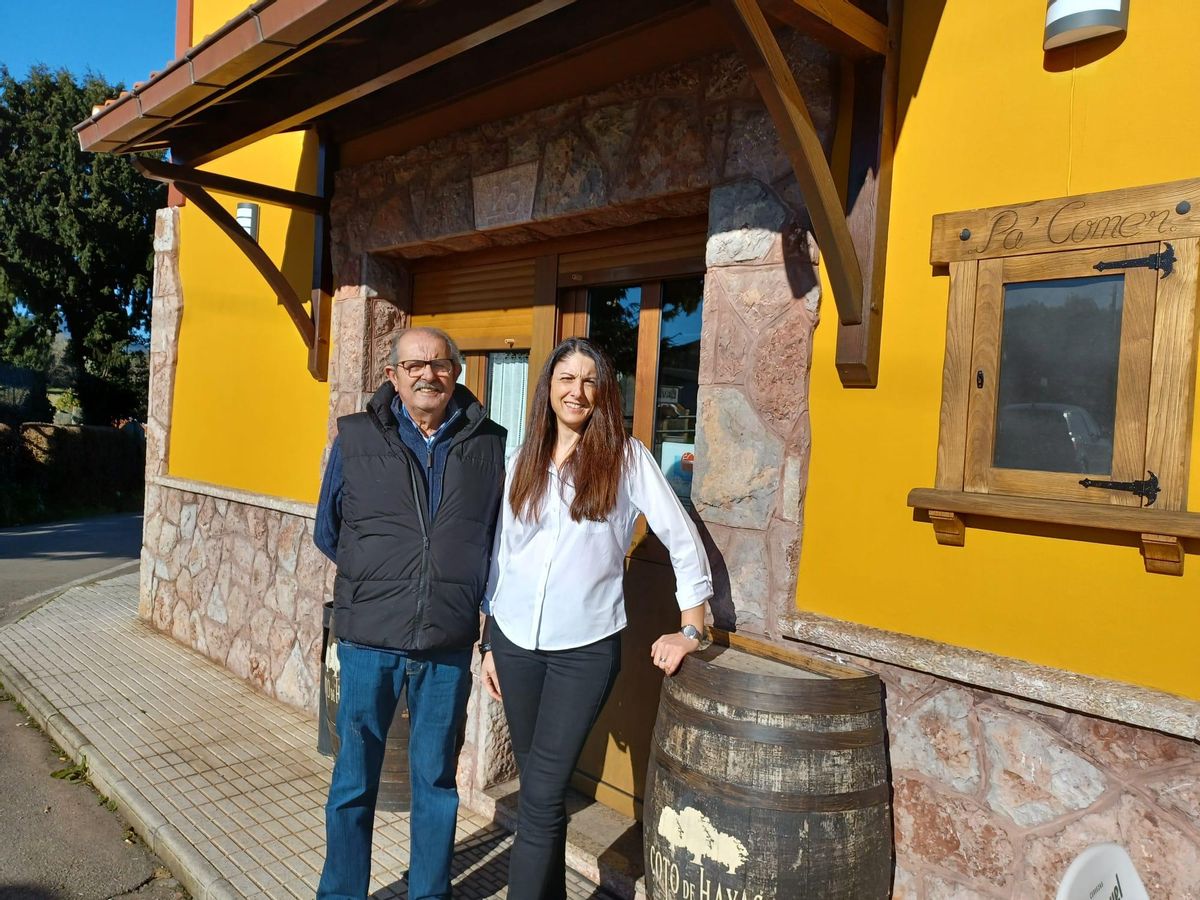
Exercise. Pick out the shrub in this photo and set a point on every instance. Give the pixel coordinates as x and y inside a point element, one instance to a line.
<point>59,471</point>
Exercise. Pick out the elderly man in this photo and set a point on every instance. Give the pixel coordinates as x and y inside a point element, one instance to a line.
<point>407,511</point>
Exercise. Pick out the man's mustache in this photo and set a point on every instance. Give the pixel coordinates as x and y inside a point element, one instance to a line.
<point>430,385</point>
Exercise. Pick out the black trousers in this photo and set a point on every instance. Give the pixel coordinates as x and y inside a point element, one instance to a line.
<point>551,701</point>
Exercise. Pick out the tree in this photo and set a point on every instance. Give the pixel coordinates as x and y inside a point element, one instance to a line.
<point>76,229</point>
<point>24,341</point>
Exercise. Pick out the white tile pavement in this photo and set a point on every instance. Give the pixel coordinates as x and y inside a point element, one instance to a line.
<point>224,784</point>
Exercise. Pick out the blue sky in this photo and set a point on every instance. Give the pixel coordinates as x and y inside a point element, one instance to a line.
<point>123,40</point>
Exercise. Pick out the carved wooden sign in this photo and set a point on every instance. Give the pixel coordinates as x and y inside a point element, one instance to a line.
<point>1156,212</point>
<point>505,197</point>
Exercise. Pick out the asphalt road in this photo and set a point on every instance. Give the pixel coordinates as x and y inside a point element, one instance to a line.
<point>58,841</point>
<point>35,559</point>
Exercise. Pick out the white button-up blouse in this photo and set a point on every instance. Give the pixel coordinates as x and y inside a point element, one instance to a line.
<point>555,583</point>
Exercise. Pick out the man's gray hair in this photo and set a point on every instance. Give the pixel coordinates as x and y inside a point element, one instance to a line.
<point>455,355</point>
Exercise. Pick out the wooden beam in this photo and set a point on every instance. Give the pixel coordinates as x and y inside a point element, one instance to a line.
<point>258,258</point>
<point>545,318</point>
<point>322,277</point>
<point>174,174</point>
<point>779,91</point>
<point>869,182</point>
<point>646,374</point>
<point>838,23</point>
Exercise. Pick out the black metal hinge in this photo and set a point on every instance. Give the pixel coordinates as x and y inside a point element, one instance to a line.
<point>1147,490</point>
<point>1163,262</point>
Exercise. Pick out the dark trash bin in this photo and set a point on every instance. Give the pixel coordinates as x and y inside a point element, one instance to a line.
<point>395,788</point>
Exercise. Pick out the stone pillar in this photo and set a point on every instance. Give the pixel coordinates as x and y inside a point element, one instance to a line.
<point>752,438</point>
<point>487,756</point>
<point>165,315</point>
<point>366,315</point>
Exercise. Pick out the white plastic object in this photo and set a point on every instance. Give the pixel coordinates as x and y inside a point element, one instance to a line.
<point>1102,872</point>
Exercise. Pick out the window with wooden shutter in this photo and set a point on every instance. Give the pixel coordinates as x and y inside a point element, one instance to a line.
<point>1069,375</point>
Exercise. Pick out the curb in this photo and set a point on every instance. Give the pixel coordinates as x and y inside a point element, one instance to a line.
<point>50,593</point>
<point>187,864</point>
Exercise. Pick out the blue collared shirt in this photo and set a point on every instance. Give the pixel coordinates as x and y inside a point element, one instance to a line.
<point>429,453</point>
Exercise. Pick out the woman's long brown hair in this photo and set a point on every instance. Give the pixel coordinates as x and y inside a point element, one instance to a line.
<point>598,461</point>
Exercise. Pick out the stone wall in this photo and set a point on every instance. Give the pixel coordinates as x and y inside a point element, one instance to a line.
<point>994,796</point>
<point>646,148</point>
<point>243,584</point>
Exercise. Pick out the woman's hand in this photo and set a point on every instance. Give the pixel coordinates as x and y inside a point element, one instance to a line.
<point>670,649</point>
<point>487,672</point>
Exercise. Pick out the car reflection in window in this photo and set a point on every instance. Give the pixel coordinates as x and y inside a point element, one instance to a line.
<point>1051,437</point>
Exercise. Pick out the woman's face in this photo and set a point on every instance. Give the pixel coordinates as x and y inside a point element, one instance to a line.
<point>573,390</point>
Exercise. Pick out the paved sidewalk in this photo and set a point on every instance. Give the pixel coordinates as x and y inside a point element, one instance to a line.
<point>224,784</point>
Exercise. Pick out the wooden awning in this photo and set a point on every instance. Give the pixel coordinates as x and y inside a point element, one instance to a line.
<point>353,67</point>
<point>347,66</point>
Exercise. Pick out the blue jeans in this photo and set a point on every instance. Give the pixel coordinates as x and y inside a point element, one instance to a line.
<point>372,682</point>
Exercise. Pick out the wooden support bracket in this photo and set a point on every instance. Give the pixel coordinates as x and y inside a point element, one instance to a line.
<point>195,184</point>
<point>775,82</point>
<point>837,23</point>
<point>872,124</point>
<point>1163,554</point>
<point>283,289</point>
<point>322,274</point>
<point>949,528</point>
<point>174,174</point>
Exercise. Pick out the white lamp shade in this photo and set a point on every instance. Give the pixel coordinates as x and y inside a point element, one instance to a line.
<point>247,217</point>
<point>1071,21</point>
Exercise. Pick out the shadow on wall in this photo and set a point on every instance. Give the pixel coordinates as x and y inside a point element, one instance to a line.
<point>298,264</point>
<point>920,27</point>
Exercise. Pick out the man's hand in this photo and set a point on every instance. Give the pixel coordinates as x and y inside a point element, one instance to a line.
<point>487,671</point>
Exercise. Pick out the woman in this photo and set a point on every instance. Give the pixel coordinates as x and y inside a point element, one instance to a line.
<point>554,600</point>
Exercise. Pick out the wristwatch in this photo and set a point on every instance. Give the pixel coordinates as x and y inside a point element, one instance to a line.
<point>485,647</point>
<point>692,633</point>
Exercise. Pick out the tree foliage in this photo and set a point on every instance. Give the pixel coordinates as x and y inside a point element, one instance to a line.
<point>76,231</point>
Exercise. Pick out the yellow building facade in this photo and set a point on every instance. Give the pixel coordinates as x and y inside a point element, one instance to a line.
<point>246,413</point>
<point>986,118</point>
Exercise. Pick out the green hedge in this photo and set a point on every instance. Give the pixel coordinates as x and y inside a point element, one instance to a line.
<point>59,471</point>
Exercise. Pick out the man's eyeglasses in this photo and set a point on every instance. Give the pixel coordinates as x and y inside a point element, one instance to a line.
<point>415,367</point>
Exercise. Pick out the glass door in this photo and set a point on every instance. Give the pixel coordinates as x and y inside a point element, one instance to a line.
<point>652,332</point>
<point>651,329</point>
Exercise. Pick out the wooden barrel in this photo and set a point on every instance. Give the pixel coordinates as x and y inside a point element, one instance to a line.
<point>395,786</point>
<point>767,781</point>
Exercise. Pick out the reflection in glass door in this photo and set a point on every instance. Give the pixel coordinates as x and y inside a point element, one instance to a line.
<point>652,332</point>
<point>678,376</point>
<point>614,314</point>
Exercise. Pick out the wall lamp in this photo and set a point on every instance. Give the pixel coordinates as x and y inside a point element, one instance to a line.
<point>247,217</point>
<point>1071,21</point>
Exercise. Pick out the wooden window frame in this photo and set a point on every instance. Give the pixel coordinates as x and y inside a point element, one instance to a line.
<point>987,248</point>
<point>574,322</point>
<point>1137,325</point>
